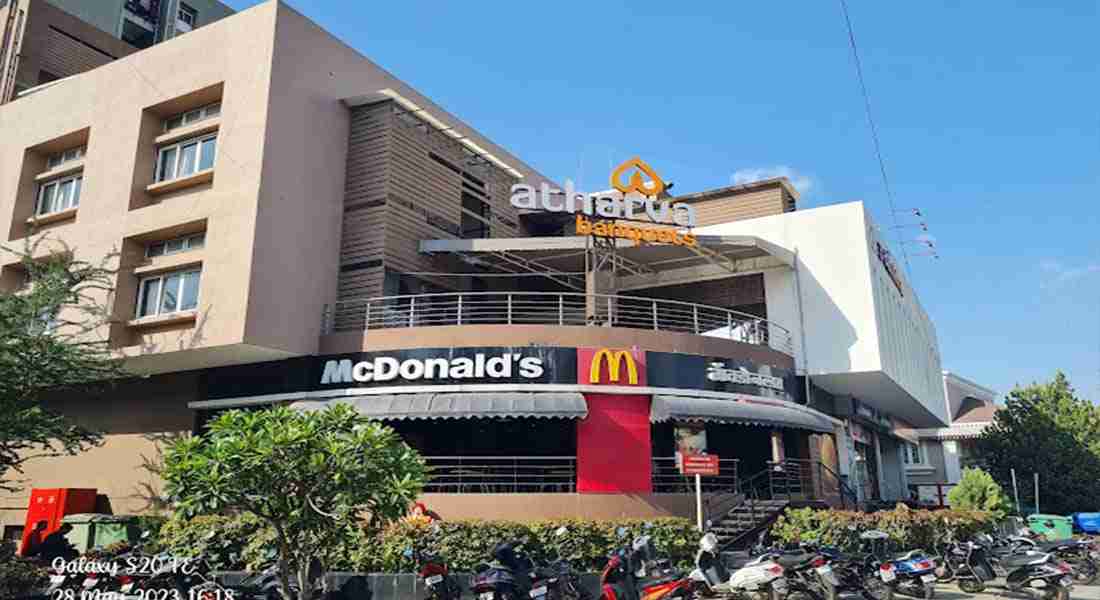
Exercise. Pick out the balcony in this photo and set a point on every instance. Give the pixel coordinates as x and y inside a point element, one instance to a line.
<point>568,309</point>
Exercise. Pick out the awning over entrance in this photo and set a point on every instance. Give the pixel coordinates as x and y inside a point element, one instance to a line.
<point>461,405</point>
<point>689,408</point>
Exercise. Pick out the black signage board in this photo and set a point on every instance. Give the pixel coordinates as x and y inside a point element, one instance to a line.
<point>420,366</point>
<point>738,376</point>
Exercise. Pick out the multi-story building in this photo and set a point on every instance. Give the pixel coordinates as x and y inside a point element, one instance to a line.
<point>45,40</point>
<point>935,464</point>
<point>296,225</point>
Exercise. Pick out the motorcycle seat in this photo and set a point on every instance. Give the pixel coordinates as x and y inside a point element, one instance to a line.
<point>794,560</point>
<point>657,580</point>
<point>1016,561</point>
<point>1053,546</point>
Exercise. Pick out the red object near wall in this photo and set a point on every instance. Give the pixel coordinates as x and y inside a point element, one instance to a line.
<point>613,445</point>
<point>51,505</point>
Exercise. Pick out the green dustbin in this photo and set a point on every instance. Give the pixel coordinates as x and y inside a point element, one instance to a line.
<point>1052,527</point>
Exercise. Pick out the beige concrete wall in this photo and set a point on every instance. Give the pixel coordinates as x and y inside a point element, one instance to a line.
<point>460,336</point>
<point>120,106</point>
<point>137,418</point>
<point>533,507</point>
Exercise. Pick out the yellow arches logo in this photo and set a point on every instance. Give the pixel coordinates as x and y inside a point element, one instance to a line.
<point>615,360</point>
<point>636,184</point>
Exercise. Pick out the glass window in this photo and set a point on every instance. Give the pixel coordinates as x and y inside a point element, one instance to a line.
<point>137,35</point>
<point>175,245</point>
<point>209,149</point>
<point>64,195</point>
<point>169,293</point>
<point>192,116</point>
<point>196,241</point>
<point>76,191</point>
<point>167,169</point>
<point>53,161</point>
<point>156,249</point>
<point>174,122</point>
<point>149,296</point>
<point>169,301</point>
<point>213,110</point>
<point>45,200</point>
<point>189,294</point>
<point>187,159</point>
<point>187,14</point>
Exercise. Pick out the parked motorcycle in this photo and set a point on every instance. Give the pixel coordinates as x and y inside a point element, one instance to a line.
<point>759,578</point>
<point>1082,555</point>
<point>862,573</point>
<point>631,574</point>
<point>915,574</point>
<point>437,578</point>
<point>508,577</point>
<point>980,568</point>
<point>557,580</point>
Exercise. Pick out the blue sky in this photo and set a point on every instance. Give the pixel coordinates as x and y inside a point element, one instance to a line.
<point>988,113</point>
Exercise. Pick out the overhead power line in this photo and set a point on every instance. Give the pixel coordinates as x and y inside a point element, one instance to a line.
<point>874,135</point>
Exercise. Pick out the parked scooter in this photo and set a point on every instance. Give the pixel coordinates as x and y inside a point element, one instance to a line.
<point>630,574</point>
<point>980,568</point>
<point>760,577</point>
<point>915,574</point>
<point>862,573</point>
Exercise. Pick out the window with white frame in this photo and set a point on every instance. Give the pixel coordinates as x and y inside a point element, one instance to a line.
<point>193,116</point>
<point>913,453</point>
<point>186,158</point>
<point>180,244</point>
<point>186,18</point>
<point>58,194</point>
<point>56,160</point>
<point>168,293</point>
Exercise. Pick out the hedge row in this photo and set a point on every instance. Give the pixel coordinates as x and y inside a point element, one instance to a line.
<point>908,528</point>
<point>244,542</point>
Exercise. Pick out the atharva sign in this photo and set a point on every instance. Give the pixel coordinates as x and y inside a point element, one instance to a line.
<point>632,206</point>
<point>389,368</point>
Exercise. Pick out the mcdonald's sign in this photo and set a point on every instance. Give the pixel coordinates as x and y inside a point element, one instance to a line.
<point>610,366</point>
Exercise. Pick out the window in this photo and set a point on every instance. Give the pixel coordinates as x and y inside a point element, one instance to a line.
<point>58,195</point>
<point>182,244</point>
<point>56,160</point>
<point>186,158</point>
<point>137,35</point>
<point>168,293</point>
<point>193,116</point>
<point>186,18</point>
<point>913,453</point>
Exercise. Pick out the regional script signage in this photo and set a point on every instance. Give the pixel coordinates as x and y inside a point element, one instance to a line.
<point>739,376</point>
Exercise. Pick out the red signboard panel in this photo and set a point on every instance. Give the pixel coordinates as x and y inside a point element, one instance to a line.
<point>614,454</point>
<point>699,464</point>
<point>611,366</point>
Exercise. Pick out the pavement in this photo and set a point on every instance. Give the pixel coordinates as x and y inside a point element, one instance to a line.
<point>950,592</point>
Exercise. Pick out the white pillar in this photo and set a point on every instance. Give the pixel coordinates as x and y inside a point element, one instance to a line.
<point>951,465</point>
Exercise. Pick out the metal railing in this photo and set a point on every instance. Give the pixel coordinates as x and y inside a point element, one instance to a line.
<point>668,480</point>
<point>501,474</point>
<point>552,308</point>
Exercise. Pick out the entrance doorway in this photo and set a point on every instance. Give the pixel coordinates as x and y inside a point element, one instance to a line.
<point>868,471</point>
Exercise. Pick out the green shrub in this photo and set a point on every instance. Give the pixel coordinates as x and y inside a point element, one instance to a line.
<point>18,576</point>
<point>907,528</point>
<point>978,491</point>
<point>243,542</point>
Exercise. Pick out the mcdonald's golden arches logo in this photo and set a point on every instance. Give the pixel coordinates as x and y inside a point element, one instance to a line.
<point>622,367</point>
<point>635,183</point>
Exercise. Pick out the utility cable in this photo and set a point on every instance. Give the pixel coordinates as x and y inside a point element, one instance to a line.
<point>874,135</point>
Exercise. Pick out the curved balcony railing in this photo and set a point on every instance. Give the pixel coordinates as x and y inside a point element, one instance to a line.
<point>553,308</point>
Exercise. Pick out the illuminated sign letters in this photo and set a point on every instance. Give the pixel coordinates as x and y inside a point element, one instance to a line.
<point>717,371</point>
<point>388,368</point>
<point>616,360</point>
<point>638,200</point>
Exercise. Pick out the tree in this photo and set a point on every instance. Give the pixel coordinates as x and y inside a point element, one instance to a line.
<point>51,340</point>
<point>1046,429</point>
<point>312,475</point>
<point>978,491</point>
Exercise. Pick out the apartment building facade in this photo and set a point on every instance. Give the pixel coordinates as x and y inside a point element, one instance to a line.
<point>42,41</point>
<point>295,225</point>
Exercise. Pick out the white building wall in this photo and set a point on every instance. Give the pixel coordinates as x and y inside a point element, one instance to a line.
<point>857,326</point>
